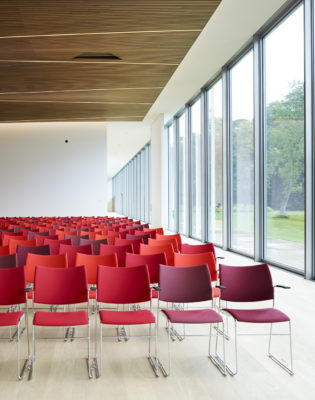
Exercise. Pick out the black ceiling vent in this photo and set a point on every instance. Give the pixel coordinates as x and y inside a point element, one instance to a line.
<point>97,56</point>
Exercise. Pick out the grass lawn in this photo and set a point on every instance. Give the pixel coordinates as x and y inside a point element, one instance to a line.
<point>291,228</point>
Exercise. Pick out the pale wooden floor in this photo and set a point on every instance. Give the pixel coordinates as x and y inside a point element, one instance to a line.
<point>61,371</point>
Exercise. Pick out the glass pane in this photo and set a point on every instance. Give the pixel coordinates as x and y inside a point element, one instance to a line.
<point>284,164</point>
<point>242,156</point>
<point>196,170</point>
<point>182,175</point>
<point>171,178</point>
<point>215,163</point>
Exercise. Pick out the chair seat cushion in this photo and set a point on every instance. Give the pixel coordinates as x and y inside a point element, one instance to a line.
<point>72,318</point>
<point>205,316</point>
<point>10,318</point>
<point>262,315</point>
<point>127,317</point>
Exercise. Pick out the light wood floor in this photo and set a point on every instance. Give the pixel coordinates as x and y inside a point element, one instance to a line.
<point>61,371</point>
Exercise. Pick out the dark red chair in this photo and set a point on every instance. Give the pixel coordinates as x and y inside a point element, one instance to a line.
<point>190,285</point>
<point>8,261</point>
<point>145,237</point>
<point>23,251</point>
<point>126,286</point>
<point>247,285</point>
<point>54,244</point>
<point>61,286</point>
<point>75,239</point>
<point>40,240</point>
<point>95,244</point>
<point>13,292</point>
<point>119,250</point>
<point>72,251</point>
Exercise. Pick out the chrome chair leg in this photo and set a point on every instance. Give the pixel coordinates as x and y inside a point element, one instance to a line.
<point>282,364</point>
<point>229,370</point>
<point>216,359</point>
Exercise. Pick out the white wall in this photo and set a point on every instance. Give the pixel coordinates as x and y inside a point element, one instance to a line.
<point>40,174</point>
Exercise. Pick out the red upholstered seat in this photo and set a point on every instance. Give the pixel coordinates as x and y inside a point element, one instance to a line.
<point>206,316</point>
<point>10,318</point>
<point>258,316</point>
<point>127,317</point>
<point>74,318</point>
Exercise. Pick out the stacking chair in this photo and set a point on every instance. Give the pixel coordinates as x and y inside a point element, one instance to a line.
<point>22,252</point>
<point>176,236</point>
<point>4,250</point>
<point>247,285</point>
<point>72,251</point>
<point>8,261</point>
<point>157,248</point>
<point>199,248</point>
<point>31,234</point>
<point>145,237</point>
<point>126,286</point>
<point>75,240</point>
<point>165,239</point>
<point>190,285</point>
<point>54,245</point>
<point>135,243</point>
<point>13,292</point>
<point>95,244</point>
<point>119,250</point>
<point>50,261</point>
<point>61,286</point>
<point>152,261</point>
<point>13,243</point>
<point>40,240</point>
<point>7,235</point>
<point>156,230</point>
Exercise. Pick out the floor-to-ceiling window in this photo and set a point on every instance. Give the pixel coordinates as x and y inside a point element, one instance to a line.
<point>171,176</point>
<point>284,138</point>
<point>196,169</point>
<point>242,155</point>
<point>182,176</point>
<point>214,132</point>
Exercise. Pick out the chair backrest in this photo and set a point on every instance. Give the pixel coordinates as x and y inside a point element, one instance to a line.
<point>177,237</point>
<point>185,285</point>
<point>12,286</point>
<point>166,248</point>
<point>75,240</point>
<point>156,230</point>
<point>119,250</point>
<point>72,251</point>
<point>7,238</point>
<point>91,263</point>
<point>51,261</point>
<point>246,284</point>
<point>135,243</point>
<point>197,248</point>
<point>123,285</point>
<point>166,239</point>
<point>189,260</point>
<point>95,244</point>
<point>13,243</point>
<point>151,232</point>
<point>40,240</point>
<point>22,252</point>
<point>4,250</point>
<point>31,235</point>
<point>8,261</point>
<point>151,260</point>
<point>54,244</point>
<point>60,285</point>
<point>145,237</point>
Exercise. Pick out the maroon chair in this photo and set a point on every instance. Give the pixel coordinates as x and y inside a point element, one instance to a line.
<point>95,244</point>
<point>32,234</point>
<point>41,239</point>
<point>75,240</point>
<point>8,261</point>
<point>61,286</point>
<point>13,292</point>
<point>72,251</point>
<point>145,237</point>
<point>23,251</point>
<point>54,244</point>
<point>190,285</point>
<point>135,243</point>
<point>126,286</point>
<point>252,284</point>
<point>120,250</point>
<point>151,260</point>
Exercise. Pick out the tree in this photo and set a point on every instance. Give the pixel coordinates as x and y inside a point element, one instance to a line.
<point>285,146</point>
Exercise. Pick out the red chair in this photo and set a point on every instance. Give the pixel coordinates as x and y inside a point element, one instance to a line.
<point>23,251</point>
<point>13,292</point>
<point>8,261</point>
<point>126,286</point>
<point>120,251</point>
<point>61,286</point>
<point>13,243</point>
<point>156,230</point>
<point>199,248</point>
<point>54,245</point>
<point>135,243</point>
<point>72,251</point>
<point>4,250</point>
<point>158,248</point>
<point>40,240</point>
<point>247,285</point>
<point>145,237</point>
<point>190,285</point>
<point>7,235</point>
<point>95,244</point>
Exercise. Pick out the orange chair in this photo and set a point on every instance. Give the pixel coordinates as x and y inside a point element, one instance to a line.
<point>160,231</point>
<point>166,248</point>
<point>13,243</point>
<point>6,238</point>
<point>190,260</point>
<point>110,239</point>
<point>176,236</point>
<point>165,239</point>
<point>52,261</point>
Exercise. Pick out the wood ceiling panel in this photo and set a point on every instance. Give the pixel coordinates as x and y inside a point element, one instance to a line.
<point>36,17</point>
<point>41,80</point>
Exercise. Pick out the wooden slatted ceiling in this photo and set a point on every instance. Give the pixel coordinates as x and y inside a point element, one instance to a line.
<point>41,80</point>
